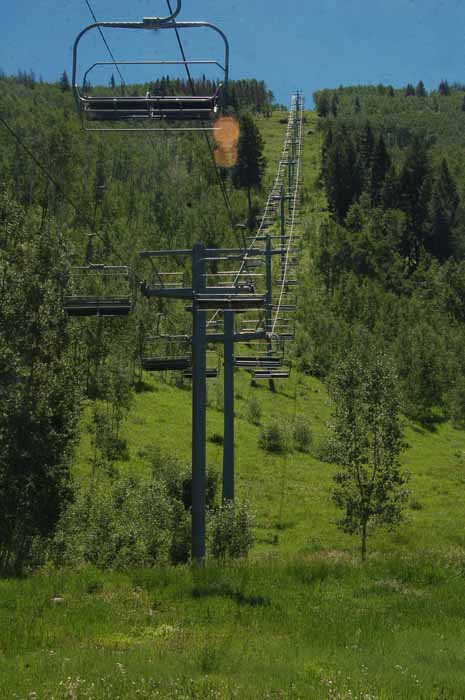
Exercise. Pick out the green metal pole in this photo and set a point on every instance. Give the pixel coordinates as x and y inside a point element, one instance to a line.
<point>228,445</point>
<point>199,401</point>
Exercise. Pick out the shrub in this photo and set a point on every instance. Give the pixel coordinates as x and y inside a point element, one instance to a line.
<point>230,531</point>
<point>253,411</point>
<point>302,435</point>
<point>216,439</point>
<point>273,437</point>
<point>127,524</point>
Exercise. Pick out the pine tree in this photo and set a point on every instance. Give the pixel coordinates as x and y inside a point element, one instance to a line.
<point>251,163</point>
<point>342,175</point>
<point>409,90</point>
<point>112,82</point>
<point>334,104</point>
<point>64,82</point>
<point>322,104</point>
<point>420,90</point>
<point>442,213</point>
<point>444,89</point>
<point>357,105</point>
<point>365,148</point>
<point>415,193</point>
<point>381,164</point>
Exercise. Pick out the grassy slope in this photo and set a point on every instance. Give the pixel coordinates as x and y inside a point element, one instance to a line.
<point>303,619</point>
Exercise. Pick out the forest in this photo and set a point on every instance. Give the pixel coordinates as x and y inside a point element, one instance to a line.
<point>387,266</point>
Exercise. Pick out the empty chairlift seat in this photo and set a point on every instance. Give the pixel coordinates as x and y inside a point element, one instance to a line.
<point>166,352</point>
<point>148,111</point>
<point>98,290</point>
<point>151,107</point>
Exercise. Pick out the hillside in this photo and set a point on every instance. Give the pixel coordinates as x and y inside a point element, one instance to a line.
<point>301,617</point>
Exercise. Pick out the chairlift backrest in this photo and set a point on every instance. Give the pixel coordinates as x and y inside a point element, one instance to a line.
<point>98,290</point>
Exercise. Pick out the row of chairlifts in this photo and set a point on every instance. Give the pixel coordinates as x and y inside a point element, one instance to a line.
<point>149,112</point>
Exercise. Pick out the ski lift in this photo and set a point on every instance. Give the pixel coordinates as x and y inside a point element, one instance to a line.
<point>230,302</point>
<point>149,112</point>
<point>270,374</point>
<point>98,290</point>
<point>211,371</point>
<point>167,352</point>
<point>265,355</point>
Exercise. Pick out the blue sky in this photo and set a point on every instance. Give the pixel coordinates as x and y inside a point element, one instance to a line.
<point>308,44</point>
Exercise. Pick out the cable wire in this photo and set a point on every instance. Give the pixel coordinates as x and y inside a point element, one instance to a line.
<point>123,83</point>
<point>60,189</point>
<point>207,139</point>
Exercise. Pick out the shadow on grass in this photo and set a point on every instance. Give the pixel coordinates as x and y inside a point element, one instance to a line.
<point>143,387</point>
<point>429,423</point>
<point>223,589</point>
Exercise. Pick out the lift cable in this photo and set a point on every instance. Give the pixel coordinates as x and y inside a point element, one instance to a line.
<point>191,82</point>
<point>123,82</point>
<point>60,189</point>
<point>207,139</point>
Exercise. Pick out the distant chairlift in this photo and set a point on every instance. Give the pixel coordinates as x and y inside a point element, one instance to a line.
<point>147,112</point>
<point>98,290</point>
<point>167,352</point>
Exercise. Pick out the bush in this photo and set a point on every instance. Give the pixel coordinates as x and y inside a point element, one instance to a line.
<point>327,451</point>
<point>302,435</point>
<point>178,478</point>
<point>127,524</point>
<point>230,531</point>
<point>273,437</point>
<point>216,439</point>
<point>253,411</point>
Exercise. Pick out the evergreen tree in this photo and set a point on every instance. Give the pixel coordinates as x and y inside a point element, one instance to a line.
<point>251,163</point>
<point>409,90</point>
<point>442,213</point>
<point>112,82</point>
<point>365,148</point>
<point>64,82</point>
<point>342,176</point>
<point>334,104</point>
<point>414,196</point>
<point>390,194</point>
<point>357,106</point>
<point>420,90</point>
<point>322,104</point>
<point>381,164</point>
<point>444,89</point>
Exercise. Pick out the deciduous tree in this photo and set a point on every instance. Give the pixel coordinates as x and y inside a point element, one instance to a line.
<point>370,486</point>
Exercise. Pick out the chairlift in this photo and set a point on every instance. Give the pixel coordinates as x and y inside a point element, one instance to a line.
<point>270,374</point>
<point>98,290</point>
<point>230,302</point>
<point>211,371</point>
<point>148,112</point>
<point>166,352</point>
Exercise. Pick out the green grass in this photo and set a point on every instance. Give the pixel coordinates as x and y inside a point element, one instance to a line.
<point>302,619</point>
<point>320,626</point>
